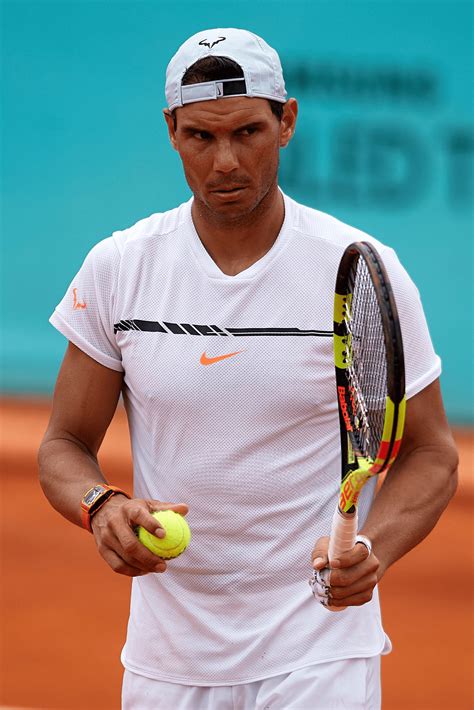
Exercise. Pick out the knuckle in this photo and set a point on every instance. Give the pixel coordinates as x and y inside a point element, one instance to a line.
<point>148,505</point>
<point>366,597</point>
<point>149,565</point>
<point>154,504</point>
<point>321,544</point>
<point>374,563</point>
<point>121,567</point>
<point>155,564</point>
<point>129,546</point>
<point>131,509</point>
<point>339,578</point>
<point>126,572</point>
<point>104,545</point>
<point>117,565</point>
<point>102,549</point>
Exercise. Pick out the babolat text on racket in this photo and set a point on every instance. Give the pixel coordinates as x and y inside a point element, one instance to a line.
<point>370,381</point>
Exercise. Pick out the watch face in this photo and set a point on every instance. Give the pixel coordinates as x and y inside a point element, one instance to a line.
<point>93,494</point>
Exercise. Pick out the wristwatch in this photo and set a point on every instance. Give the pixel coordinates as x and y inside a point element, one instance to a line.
<point>94,499</point>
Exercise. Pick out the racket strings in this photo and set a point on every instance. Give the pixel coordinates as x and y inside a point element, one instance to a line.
<point>367,368</point>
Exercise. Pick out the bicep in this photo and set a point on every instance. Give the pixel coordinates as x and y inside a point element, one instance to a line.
<point>426,424</point>
<point>428,454</point>
<point>85,399</point>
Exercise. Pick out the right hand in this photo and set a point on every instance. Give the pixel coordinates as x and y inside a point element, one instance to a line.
<point>113,529</point>
<point>348,580</point>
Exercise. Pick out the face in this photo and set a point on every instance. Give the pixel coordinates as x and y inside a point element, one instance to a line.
<point>230,152</point>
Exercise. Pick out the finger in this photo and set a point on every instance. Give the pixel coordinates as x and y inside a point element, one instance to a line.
<point>319,556</point>
<point>120,566</point>
<point>116,534</point>
<point>142,516</point>
<point>354,600</point>
<point>358,554</point>
<point>346,576</point>
<point>320,563</point>
<point>362,585</point>
<point>134,553</point>
<point>319,584</point>
<point>151,524</point>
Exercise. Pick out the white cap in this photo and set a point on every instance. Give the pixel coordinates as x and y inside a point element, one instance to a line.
<point>263,75</point>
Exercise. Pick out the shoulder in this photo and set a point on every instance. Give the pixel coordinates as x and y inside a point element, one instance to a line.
<point>328,237</point>
<point>324,229</point>
<point>107,256</point>
<point>155,227</point>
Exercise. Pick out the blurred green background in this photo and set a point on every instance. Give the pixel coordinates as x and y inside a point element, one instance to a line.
<point>385,141</point>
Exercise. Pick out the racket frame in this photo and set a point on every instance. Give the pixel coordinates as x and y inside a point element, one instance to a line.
<point>357,468</point>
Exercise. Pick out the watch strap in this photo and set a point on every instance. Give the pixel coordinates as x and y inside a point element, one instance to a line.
<point>88,511</point>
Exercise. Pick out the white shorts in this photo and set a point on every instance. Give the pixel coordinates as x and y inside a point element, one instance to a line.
<point>353,684</point>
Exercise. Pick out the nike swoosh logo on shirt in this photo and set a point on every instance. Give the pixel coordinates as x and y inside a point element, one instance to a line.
<point>211,360</point>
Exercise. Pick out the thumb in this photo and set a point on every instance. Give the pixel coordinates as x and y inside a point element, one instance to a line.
<point>319,556</point>
<point>180,508</point>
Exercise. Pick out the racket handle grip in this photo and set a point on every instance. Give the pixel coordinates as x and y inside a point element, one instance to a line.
<point>343,535</point>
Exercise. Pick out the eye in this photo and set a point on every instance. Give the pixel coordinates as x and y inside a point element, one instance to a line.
<point>202,135</point>
<point>248,131</point>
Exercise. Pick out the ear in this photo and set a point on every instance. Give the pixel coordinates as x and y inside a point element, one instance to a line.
<point>170,122</point>
<point>288,122</point>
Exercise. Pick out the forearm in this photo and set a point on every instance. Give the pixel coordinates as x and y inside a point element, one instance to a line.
<point>414,494</point>
<point>84,403</point>
<point>67,471</point>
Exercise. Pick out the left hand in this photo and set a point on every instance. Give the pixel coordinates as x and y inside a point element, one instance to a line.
<point>353,575</point>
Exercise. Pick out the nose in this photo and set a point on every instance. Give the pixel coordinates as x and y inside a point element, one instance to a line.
<point>225,159</point>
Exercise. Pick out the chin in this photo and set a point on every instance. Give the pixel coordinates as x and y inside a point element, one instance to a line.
<point>235,206</point>
<point>229,213</point>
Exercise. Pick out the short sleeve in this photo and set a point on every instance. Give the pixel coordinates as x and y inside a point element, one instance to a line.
<point>422,364</point>
<point>85,314</point>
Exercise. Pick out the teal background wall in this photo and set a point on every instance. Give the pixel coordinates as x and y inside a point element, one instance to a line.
<point>385,141</point>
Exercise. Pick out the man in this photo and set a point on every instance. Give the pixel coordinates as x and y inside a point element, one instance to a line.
<point>196,316</point>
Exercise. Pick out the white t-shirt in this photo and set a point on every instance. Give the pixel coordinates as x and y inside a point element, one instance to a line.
<point>250,441</point>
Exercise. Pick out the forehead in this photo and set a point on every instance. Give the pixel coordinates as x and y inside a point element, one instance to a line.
<point>224,113</point>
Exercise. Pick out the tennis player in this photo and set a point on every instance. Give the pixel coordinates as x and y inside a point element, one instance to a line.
<point>214,320</point>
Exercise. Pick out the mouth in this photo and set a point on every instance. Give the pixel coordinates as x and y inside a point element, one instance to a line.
<point>228,191</point>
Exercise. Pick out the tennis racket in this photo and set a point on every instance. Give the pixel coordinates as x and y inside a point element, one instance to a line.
<point>370,381</point>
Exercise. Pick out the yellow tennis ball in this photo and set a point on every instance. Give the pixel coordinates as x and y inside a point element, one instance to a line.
<point>176,539</point>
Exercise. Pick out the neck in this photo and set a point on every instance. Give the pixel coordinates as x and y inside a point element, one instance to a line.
<point>236,244</point>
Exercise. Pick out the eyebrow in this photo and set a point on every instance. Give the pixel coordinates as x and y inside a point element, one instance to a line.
<point>195,129</point>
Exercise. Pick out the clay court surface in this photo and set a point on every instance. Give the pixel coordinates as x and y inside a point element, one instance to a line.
<point>64,612</point>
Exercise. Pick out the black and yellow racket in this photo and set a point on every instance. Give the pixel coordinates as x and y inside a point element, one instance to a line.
<point>370,380</point>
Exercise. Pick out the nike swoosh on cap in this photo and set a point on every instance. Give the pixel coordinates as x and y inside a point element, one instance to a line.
<point>211,360</point>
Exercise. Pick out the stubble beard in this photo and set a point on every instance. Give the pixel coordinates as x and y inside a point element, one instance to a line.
<point>246,216</point>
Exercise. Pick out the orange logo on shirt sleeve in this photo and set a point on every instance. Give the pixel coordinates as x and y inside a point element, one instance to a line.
<point>77,305</point>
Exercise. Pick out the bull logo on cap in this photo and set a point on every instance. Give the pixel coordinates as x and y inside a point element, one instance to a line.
<point>205,43</point>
